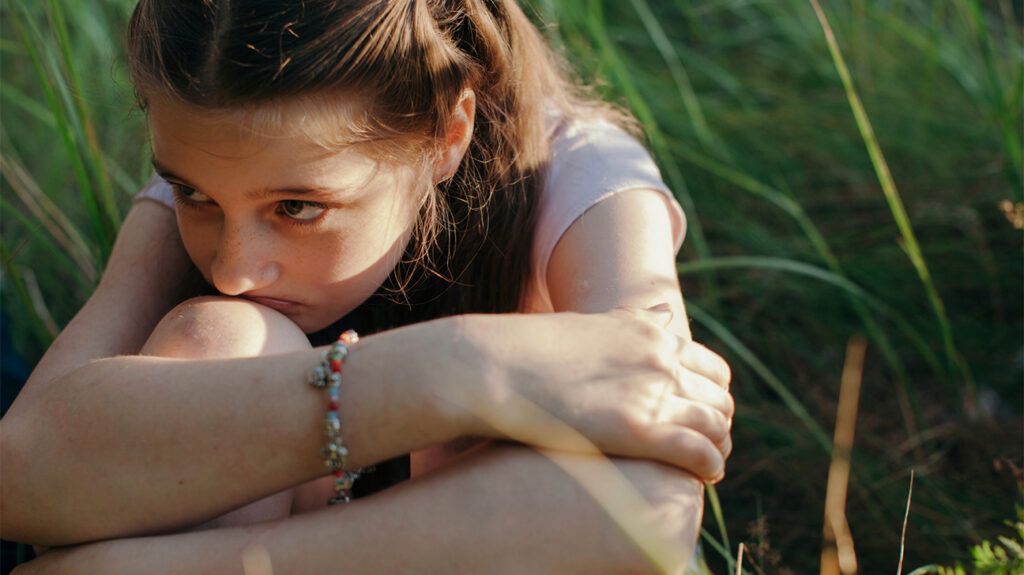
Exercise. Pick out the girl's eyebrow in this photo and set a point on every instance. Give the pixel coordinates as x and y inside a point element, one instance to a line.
<point>291,191</point>
<point>165,173</point>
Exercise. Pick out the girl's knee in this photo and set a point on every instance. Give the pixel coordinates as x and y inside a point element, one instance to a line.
<point>216,326</point>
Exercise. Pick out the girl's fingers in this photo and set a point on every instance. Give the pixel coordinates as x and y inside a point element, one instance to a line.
<point>725,446</point>
<point>696,357</point>
<point>686,449</point>
<point>700,389</point>
<point>699,417</point>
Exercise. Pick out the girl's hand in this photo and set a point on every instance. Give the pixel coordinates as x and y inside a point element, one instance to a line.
<point>615,382</point>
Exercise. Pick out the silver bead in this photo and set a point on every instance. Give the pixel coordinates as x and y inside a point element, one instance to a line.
<point>339,499</point>
<point>317,377</point>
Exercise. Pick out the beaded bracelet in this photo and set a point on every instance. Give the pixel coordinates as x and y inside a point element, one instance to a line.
<point>335,454</point>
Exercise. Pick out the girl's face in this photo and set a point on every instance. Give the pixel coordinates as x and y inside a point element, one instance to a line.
<point>280,219</point>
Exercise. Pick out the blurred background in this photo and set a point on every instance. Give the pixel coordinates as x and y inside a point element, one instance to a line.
<point>868,189</point>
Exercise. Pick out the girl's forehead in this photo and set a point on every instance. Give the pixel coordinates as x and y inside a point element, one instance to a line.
<point>305,141</point>
<point>210,148</point>
<point>316,124</point>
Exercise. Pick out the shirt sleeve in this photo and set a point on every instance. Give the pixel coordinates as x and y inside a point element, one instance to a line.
<point>158,190</point>
<point>590,161</point>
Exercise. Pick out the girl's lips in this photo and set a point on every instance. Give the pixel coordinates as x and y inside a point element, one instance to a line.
<point>278,304</point>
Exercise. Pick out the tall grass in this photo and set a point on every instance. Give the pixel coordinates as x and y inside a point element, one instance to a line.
<point>870,167</point>
<point>71,151</point>
<point>841,166</point>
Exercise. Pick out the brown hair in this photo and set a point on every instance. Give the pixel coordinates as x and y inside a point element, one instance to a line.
<point>409,62</point>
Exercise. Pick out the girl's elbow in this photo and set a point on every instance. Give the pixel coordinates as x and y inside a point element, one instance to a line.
<point>20,518</point>
<point>34,474</point>
<point>671,524</point>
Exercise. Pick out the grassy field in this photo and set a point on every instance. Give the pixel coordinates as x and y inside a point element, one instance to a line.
<point>868,186</point>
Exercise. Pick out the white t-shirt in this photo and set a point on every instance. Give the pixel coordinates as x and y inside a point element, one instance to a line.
<point>590,160</point>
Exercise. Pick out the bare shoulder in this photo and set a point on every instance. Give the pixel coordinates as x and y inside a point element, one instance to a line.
<point>619,252</point>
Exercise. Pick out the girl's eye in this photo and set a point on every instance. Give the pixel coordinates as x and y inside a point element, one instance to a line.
<point>189,194</point>
<point>300,210</point>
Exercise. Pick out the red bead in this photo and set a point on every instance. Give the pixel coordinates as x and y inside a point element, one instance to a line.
<point>333,405</point>
<point>335,365</point>
<point>338,472</point>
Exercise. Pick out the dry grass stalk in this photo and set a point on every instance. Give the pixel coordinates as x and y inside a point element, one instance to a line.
<point>837,554</point>
<point>49,215</point>
<point>1014,213</point>
<point>739,559</point>
<point>906,516</point>
<point>39,303</point>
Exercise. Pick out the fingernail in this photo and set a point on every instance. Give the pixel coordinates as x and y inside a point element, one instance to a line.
<point>718,477</point>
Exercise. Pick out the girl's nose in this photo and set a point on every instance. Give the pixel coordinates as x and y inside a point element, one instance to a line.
<point>242,263</point>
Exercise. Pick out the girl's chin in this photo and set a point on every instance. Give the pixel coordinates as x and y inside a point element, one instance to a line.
<point>310,325</point>
<point>310,322</point>
<point>312,317</point>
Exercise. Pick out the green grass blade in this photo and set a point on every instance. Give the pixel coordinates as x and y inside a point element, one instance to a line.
<point>611,58</point>
<point>47,213</point>
<point>93,154</point>
<point>895,202</point>
<point>1007,116</point>
<point>748,357</point>
<point>718,547</point>
<point>31,36</point>
<point>28,105</point>
<point>16,283</point>
<point>807,270</point>
<point>716,509</point>
<point>46,241</point>
<point>679,76</point>
<point>911,411</point>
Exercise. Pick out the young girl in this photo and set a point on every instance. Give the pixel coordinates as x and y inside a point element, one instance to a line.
<point>417,170</point>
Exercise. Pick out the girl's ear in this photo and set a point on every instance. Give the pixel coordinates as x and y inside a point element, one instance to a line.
<point>457,140</point>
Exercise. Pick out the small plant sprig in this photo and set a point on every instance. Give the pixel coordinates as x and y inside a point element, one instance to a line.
<point>1006,557</point>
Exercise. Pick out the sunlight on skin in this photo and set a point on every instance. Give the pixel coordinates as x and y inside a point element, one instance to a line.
<point>208,339</point>
<point>355,213</point>
<point>224,173</point>
<point>256,560</point>
<point>609,487</point>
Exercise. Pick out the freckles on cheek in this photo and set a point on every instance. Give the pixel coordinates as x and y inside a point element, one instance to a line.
<point>327,259</point>
<point>346,257</point>
<point>199,245</point>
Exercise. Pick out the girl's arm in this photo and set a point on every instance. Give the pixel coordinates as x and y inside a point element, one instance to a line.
<point>620,254</point>
<point>121,446</point>
<point>147,274</point>
<point>675,497</point>
<point>506,509</point>
<point>131,445</point>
